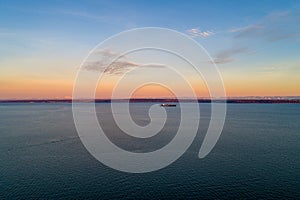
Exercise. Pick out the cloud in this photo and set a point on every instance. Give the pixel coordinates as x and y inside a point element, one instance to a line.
<point>273,27</point>
<point>247,30</point>
<point>227,55</point>
<point>82,14</point>
<point>120,66</point>
<point>7,34</point>
<point>271,70</point>
<point>196,32</point>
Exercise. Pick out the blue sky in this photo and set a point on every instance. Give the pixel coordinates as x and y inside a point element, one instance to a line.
<point>243,37</point>
<point>91,21</point>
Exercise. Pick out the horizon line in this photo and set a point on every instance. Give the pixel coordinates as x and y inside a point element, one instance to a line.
<point>155,98</point>
<point>274,100</point>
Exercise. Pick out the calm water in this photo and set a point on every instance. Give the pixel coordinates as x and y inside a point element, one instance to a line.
<point>257,156</point>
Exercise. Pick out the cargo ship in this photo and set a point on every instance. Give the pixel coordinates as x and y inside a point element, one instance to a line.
<point>167,105</point>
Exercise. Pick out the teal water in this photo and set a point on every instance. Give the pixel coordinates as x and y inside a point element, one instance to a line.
<point>256,157</point>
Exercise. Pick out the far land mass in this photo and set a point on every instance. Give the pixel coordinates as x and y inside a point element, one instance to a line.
<point>263,100</point>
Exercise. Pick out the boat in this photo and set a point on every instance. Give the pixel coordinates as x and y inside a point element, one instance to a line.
<point>167,105</point>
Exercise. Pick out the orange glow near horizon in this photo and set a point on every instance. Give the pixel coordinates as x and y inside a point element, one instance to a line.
<point>60,89</point>
<point>153,91</point>
<point>35,89</point>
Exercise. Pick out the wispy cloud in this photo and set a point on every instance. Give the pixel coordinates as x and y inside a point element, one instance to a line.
<point>7,34</point>
<point>227,56</point>
<point>121,66</point>
<point>196,32</point>
<point>267,70</point>
<point>273,27</point>
<point>82,14</point>
<point>71,12</point>
<point>274,69</point>
<point>246,29</point>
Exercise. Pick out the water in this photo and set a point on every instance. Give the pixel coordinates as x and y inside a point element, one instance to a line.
<point>257,156</point>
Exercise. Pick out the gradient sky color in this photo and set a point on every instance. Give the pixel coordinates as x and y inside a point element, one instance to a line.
<point>255,44</point>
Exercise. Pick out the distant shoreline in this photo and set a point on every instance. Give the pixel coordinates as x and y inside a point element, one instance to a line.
<point>233,100</point>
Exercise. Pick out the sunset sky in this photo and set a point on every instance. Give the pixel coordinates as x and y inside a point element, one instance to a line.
<point>255,44</point>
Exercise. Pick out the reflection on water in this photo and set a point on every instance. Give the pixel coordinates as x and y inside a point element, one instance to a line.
<point>257,155</point>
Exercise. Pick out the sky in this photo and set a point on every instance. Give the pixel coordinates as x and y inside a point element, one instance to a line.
<point>255,44</point>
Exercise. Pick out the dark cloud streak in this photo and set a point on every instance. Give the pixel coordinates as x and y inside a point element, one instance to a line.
<point>227,56</point>
<point>273,27</point>
<point>105,63</point>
